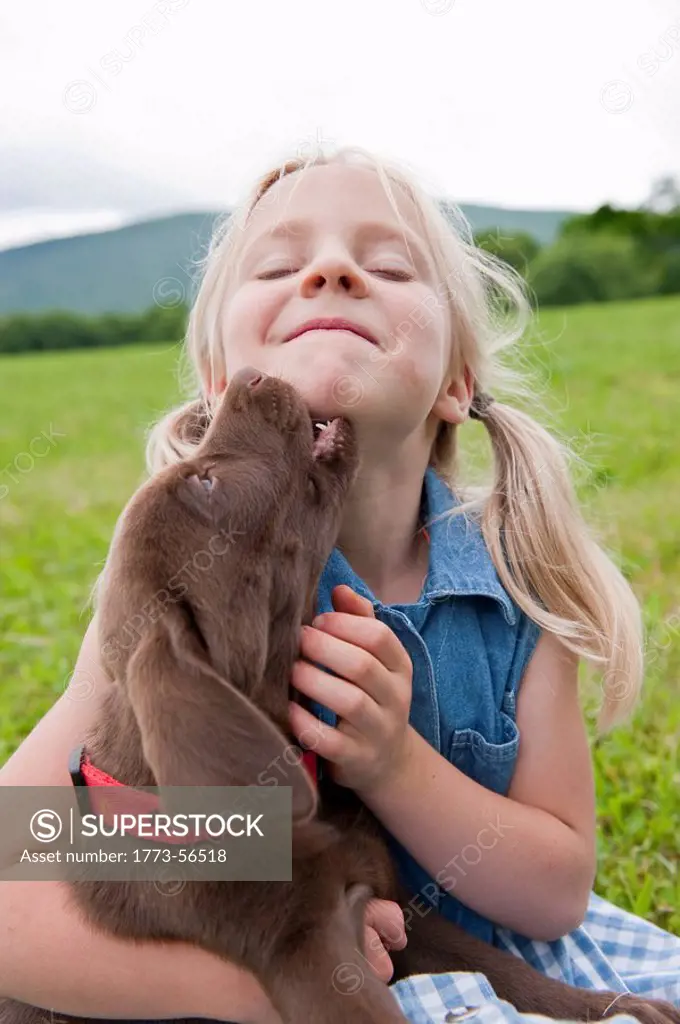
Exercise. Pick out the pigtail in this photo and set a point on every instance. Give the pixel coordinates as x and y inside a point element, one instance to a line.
<point>547,558</point>
<point>176,436</point>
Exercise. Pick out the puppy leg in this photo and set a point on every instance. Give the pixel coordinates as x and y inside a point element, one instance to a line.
<point>327,977</point>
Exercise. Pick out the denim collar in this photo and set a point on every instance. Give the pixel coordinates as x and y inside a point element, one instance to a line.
<point>459,564</point>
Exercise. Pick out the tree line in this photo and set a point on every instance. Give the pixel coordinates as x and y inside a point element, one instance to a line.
<point>597,257</point>
<point>57,329</point>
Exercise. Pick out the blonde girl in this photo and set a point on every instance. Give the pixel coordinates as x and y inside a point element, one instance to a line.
<point>442,666</point>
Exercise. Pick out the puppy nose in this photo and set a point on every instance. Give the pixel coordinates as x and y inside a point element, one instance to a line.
<point>248,376</point>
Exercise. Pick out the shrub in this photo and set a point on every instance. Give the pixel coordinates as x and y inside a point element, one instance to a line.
<point>22,332</point>
<point>518,248</point>
<point>592,268</point>
<point>670,273</point>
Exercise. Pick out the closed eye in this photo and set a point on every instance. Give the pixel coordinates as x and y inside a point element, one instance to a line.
<point>399,275</point>
<point>191,619</point>
<point>274,273</point>
<point>313,488</point>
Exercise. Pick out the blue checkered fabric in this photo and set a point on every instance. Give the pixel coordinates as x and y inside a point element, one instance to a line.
<point>612,949</point>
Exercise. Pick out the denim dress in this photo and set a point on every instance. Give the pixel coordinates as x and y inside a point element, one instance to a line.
<point>469,644</point>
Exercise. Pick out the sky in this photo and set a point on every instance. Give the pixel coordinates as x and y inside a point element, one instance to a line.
<point>115,112</point>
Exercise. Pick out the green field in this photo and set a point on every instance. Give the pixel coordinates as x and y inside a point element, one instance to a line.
<point>614,380</point>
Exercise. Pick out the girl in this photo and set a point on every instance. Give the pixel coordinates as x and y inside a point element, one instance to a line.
<point>452,620</point>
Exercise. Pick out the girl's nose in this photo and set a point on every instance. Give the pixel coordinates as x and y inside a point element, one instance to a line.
<point>337,272</point>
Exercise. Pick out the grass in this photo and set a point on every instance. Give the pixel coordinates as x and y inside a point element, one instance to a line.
<point>614,374</point>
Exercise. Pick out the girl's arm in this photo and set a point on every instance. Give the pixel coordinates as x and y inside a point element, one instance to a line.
<point>526,861</point>
<point>49,956</point>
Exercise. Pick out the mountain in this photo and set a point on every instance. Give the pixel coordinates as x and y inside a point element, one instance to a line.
<point>109,271</point>
<point>127,269</point>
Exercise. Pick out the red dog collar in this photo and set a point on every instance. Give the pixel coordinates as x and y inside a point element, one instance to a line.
<point>86,777</point>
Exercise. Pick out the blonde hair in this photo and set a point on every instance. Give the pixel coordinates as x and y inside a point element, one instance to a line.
<point>545,554</point>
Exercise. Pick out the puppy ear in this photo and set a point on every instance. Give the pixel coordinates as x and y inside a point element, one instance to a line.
<point>197,729</point>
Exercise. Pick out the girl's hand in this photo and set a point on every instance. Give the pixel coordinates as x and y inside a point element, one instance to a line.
<point>372,698</point>
<point>385,930</point>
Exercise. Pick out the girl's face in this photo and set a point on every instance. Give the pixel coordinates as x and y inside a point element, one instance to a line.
<point>327,244</point>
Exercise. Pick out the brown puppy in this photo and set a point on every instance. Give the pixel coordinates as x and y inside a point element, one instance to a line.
<point>201,699</point>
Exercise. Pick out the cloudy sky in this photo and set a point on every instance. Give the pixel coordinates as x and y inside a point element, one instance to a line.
<point>116,111</point>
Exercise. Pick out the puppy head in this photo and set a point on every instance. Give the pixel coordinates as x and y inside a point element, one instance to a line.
<point>271,474</point>
<point>217,558</point>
